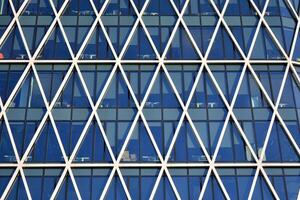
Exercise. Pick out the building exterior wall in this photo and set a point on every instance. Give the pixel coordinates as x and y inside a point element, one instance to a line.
<point>148,99</point>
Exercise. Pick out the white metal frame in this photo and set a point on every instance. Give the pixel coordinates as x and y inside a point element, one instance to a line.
<point>117,62</point>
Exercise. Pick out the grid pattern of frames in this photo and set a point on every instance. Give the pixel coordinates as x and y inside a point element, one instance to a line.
<point>162,167</point>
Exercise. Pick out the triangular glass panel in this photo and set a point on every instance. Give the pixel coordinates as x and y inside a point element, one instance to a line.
<point>73,94</point>
<point>271,78</point>
<point>213,189</point>
<point>139,47</point>
<point>182,47</point>
<point>237,181</point>
<point>287,177</point>
<point>162,104</point>
<point>288,103</point>
<point>93,147</point>
<point>183,77</point>
<point>296,53</point>
<point>290,93</point>
<point>139,77</point>
<point>46,147</point>
<point>51,77</point>
<point>285,35</point>
<point>41,182</point>
<point>116,189</point>
<point>140,181</point>
<point>13,46</point>
<point>9,79</point>
<point>164,189</point>
<point>162,93</point>
<point>155,11</point>
<point>5,176</point>
<point>140,147</point>
<point>95,77</point>
<point>97,48</point>
<point>34,35</point>
<point>206,94</point>
<point>265,47</point>
<point>188,181</point>
<point>262,189</point>
<point>201,30</point>
<point>124,14</point>
<point>280,148</point>
<point>55,47</point>
<point>227,77</point>
<point>224,41</point>
<point>251,105</point>
<point>117,111</point>
<point>187,147</point>
<point>250,95</point>
<point>69,132</point>
<point>67,189</point>
<point>233,147</point>
<point>243,34</point>
<point>7,154</point>
<point>91,181</point>
<point>29,94</point>
<point>18,190</point>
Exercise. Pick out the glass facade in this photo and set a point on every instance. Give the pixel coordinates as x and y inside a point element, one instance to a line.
<point>148,99</point>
